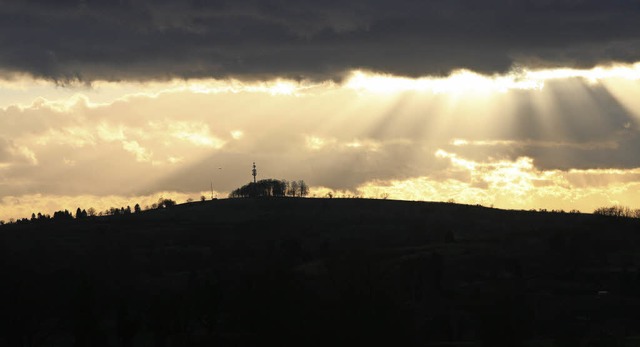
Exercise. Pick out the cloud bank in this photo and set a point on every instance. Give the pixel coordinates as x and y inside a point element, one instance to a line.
<point>92,40</point>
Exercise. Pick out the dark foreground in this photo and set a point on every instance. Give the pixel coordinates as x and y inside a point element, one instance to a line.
<point>322,272</point>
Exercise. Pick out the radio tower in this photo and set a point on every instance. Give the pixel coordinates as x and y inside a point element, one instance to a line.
<point>254,172</point>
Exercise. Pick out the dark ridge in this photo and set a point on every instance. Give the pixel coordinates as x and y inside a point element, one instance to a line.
<point>320,272</point>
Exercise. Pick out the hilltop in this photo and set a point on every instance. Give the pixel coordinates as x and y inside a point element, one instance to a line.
<point>322,271</point>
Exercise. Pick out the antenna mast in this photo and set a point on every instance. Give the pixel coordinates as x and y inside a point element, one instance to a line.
<point>254,172</point>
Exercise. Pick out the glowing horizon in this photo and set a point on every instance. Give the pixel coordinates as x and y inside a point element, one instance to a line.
<point>564,138</point>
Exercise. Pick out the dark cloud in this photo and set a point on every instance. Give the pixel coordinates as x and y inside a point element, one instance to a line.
<point>144,39</point>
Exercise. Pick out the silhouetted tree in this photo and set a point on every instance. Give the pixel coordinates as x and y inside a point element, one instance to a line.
<point>91,211</point>
<point>137,208</point>
<point>165,203</point>
<point>303,188</point>
<point>62,215</point>
<point>266,187</point>
<point>271,187</point>
<point>80,214</point>
<point>616,211</point>
<point>293,188</point>
<point>279,187</point>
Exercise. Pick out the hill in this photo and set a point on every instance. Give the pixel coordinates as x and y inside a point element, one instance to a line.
<point>293,271</point>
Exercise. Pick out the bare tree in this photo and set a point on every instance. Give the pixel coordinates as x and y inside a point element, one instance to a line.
<point>293,188</point>
<point>615,211</point>
<point>303,188</point>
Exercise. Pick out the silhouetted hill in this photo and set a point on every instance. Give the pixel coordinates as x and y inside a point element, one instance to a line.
<point>309,272</point>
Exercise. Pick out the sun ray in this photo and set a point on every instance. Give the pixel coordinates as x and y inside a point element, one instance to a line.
<point>371,127</point>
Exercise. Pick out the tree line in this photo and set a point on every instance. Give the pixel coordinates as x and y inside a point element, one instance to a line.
<point>617,211</point>
<point>271,187</point>
<point>91,212</point>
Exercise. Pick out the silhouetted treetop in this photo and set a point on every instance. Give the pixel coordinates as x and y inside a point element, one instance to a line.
<point>617,211</point>
<point>62,215</point>
<point>271,187</point>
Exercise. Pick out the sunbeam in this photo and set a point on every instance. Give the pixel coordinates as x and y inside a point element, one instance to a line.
<point>369,133</point>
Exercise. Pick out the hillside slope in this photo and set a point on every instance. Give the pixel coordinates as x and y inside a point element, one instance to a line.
<point>322,271</point>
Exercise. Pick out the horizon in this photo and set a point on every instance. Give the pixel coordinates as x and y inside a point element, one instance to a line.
<point>162,203</point>
<point>517,106</point>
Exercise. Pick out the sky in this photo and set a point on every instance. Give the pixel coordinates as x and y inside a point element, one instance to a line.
<point>523,104</point>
